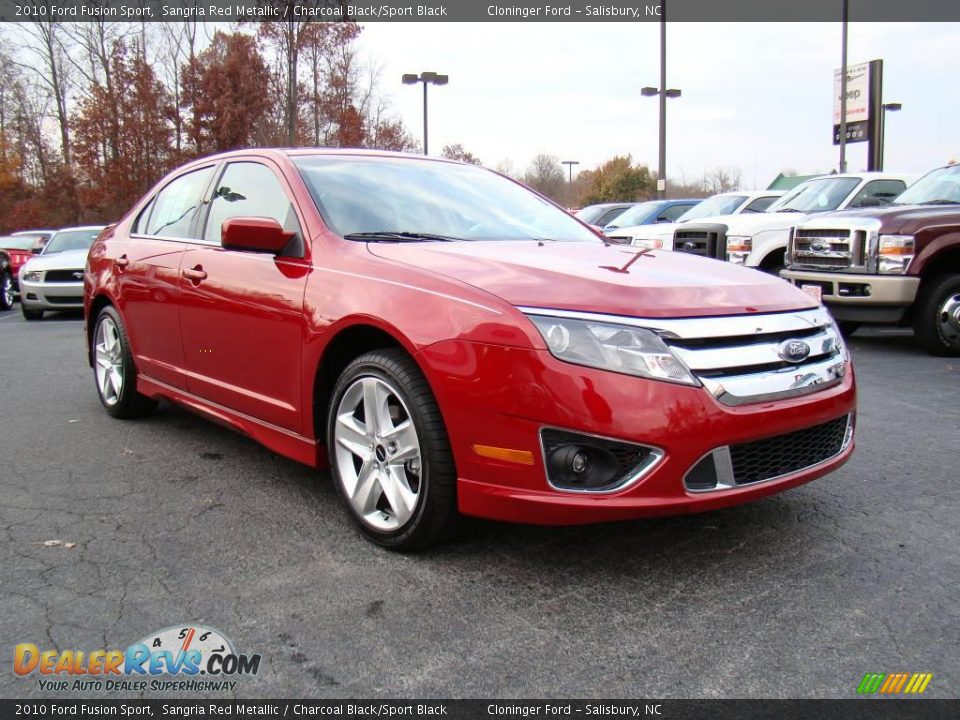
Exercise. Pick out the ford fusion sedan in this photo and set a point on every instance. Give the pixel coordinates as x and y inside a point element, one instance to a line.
<point>450,343</point>
<point>53,280</point>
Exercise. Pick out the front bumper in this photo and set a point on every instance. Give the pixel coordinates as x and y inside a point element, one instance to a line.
<point>860,297</point>
<point>537,391</point>
<point>51,296</point>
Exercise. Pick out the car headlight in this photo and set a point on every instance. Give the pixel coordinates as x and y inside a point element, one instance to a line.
<point>738,247</point>
<point>608,346</point>
<point>895,253</point>
<point>31,276</point>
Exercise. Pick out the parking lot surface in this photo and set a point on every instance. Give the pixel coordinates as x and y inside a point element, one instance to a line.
<point>177,520</point>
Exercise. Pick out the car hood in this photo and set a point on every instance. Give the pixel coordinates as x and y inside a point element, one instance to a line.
<point>58,261</point>
<point>592,277</point>
<point>903,220</point>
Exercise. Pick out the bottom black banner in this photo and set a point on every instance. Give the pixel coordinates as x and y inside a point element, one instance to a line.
<point>865,709</point>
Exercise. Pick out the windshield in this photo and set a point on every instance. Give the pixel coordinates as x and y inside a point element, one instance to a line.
<point>939,187</point>
<point>591,213</point>
<point>417,198</point>
<point>716,205</point>
<point>71,240</point>
<point>821,195</point>
<point>18,242</point>
<point>635,215</point>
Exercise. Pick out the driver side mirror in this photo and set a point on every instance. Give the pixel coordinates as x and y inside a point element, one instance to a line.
<point>254,234</point>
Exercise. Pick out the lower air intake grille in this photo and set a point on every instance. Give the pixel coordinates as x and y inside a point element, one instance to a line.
<point>785,454</point>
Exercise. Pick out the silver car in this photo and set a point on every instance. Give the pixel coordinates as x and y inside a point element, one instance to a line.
<point>53,280</point>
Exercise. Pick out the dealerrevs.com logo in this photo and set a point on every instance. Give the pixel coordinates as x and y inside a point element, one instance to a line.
<point>185,658</point>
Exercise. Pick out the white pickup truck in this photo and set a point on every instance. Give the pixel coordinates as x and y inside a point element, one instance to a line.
<point>660,235</point>
<point>760,240</point>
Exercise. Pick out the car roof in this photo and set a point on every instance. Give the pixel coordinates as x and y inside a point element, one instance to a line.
<point>81,227</point>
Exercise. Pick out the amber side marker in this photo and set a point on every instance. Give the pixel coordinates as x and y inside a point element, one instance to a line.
<point>522,457</point>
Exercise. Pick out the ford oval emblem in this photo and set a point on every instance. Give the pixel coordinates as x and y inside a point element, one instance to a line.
<point>794,351</point>
<point>818,247</point>
<point>688,246</point>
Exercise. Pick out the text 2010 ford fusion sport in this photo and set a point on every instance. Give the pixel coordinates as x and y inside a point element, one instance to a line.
<point>452,343</point>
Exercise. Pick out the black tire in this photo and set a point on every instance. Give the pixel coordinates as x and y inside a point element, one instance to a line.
<point>936,333</point>
<point>847,327</point>
<point>29,314</point>
<point>129,404</point>
<point>435,515</point>
<point>7,295</point>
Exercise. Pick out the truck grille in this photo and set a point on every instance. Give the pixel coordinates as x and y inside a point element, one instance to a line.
<point>770,458</point>
<point>704,242</point>
<point>827,249</point>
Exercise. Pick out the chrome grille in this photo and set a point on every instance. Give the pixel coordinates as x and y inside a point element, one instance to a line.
<point>823,249</point>
<point>746,358</point>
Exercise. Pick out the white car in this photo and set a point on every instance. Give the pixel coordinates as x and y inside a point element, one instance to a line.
<point>53,280</point>
<point>728,203</point>
<point>760,240</point>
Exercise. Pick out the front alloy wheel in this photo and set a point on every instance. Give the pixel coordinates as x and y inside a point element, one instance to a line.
<point>389,452</point>
<point>378,454</point>
<point>7,295</point>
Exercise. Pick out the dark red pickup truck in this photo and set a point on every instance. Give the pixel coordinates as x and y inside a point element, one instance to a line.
<point>899,264</point>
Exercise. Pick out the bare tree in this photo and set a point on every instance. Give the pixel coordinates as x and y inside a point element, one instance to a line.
<point>46,40</point>
<point>722,179</point>
<point>545,175</point>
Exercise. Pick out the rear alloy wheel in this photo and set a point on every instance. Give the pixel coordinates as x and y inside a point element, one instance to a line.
<point>114,370</point>
<point>937,318</point>
<point>7,295</point>
<point>389,452</point>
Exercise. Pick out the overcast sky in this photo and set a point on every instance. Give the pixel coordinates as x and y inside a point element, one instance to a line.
<point>757,96</point>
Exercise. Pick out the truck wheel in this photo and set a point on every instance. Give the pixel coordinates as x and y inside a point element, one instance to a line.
<point>29,314</point>
<point>389,452</point>
<point>937,320</point>
<point>6,291</point>
<point>113,368</point>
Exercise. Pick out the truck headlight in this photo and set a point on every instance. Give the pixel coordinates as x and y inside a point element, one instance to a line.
<point>738,247</point>
<point>895,253</point>
<point>31,276</point>
<point>608,346</point>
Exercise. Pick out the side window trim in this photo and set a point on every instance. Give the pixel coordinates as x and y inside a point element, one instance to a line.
<point>204,215</point>
<point>152,204</point>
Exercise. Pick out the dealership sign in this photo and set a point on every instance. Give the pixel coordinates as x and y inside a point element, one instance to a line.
<point>858,101</point>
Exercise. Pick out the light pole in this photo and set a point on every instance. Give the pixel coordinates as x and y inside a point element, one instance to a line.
<point>891,107</point>
<point>427,78</point>
<point>570,164</point>
<point>664,93</point>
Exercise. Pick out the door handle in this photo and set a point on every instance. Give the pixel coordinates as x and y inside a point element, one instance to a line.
<point>195,274</point>
<point>122,261</point>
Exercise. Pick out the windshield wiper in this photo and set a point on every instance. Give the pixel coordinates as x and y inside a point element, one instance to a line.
<point>788,210</point>
<point>399,236</point>
<point>941,202</point>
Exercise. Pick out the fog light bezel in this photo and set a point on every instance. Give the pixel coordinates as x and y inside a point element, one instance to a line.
<point>653,457</point>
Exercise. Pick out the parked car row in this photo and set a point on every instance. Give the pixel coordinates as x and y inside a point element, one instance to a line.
<point>874,247</point>
<point>45,267</point>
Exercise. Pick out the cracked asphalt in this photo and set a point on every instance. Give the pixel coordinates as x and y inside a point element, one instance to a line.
<point>177,520</point>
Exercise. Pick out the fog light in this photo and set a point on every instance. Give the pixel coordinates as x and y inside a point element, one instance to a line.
<point>586,463</point>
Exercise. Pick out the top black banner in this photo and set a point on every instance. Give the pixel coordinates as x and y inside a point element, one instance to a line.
<point>365,11</point>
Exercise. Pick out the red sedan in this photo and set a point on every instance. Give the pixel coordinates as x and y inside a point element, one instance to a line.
<point>15,250</point>
<point>449,342</point>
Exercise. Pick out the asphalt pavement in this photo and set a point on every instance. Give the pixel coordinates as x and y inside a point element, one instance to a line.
<point>179,521</point>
